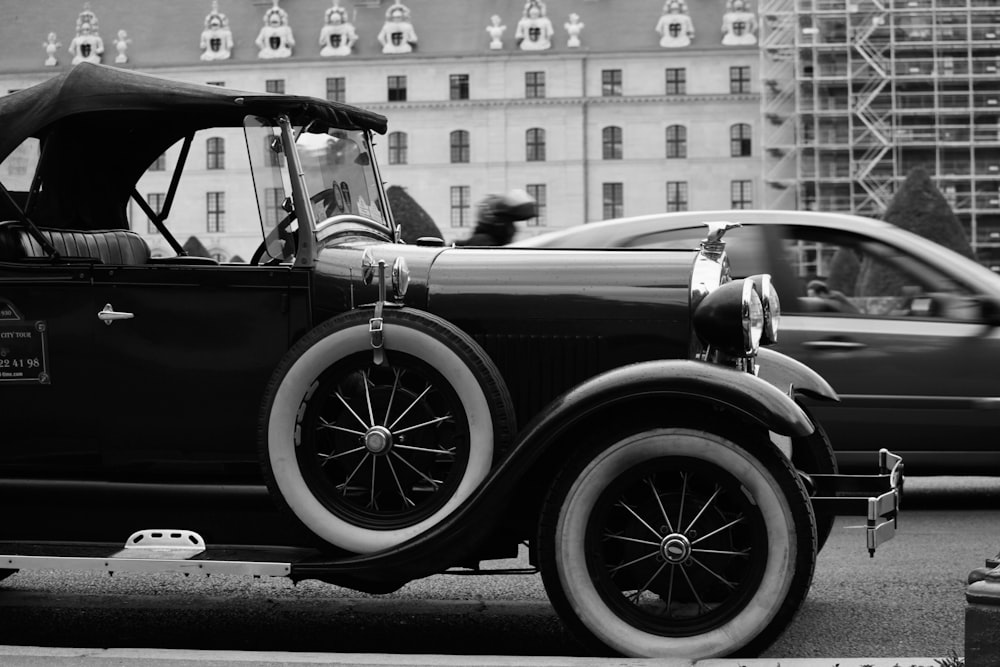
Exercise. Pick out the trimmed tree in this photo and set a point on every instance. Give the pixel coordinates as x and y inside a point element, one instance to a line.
<point>413,220</point>
<point>919,207</point>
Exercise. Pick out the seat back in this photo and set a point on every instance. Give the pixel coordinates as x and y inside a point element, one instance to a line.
<point>113,246</point>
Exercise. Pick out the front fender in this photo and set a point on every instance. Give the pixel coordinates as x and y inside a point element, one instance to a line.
<point>791,376</point>
<point>762,401</point>
<point>459,534</point>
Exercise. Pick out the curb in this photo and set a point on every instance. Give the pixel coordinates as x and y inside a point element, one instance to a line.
<point>34,656</point>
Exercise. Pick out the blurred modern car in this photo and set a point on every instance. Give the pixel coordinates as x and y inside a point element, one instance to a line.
<point>905,330</point>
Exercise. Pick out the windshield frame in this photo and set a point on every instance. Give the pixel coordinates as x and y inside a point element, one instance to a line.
<point>362,189</point>
<point>298,177</point>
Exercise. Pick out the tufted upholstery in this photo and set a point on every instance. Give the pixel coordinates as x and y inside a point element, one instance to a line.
<point>116,246</point>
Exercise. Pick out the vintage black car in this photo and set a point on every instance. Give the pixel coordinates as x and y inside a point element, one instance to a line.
<point>349,408</point>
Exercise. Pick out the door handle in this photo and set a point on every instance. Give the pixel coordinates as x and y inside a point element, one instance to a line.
<point>842,345</point>
<point>109,315</point>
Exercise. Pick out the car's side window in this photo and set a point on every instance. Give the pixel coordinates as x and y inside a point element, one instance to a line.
<point>847,274</point>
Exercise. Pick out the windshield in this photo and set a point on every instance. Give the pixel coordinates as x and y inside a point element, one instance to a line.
<point>340,175</point>
<point>339,178</point>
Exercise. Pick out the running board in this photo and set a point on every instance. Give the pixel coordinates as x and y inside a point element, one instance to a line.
<point>147,551</point>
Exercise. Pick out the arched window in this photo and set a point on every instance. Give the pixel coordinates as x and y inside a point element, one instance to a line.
<point>739,140</point>
<point>677,141</point>
<point>459,146</point>
<point>611,141</point>
<point>534,145</point>
<point>215,149</point>
<point>397,147</point>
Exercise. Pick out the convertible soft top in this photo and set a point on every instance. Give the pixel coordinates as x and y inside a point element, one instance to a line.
<point>101,127</point>
<point>89,88</point>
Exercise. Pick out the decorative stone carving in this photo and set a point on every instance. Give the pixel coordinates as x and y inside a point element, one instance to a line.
<point>216,38</point>
<point>739,24</point>
<point>51,45</point>
<point>121,45</point>
<point>573,28</point>
<point>397,34</point>
<point>275,39</point>
<point>675,26</point>
<point>534,30</point>
<point>338,35</point>
<point>87,46</point>
<point>495,31</point>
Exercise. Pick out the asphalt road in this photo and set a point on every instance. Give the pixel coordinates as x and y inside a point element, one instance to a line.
<point>907,601</point>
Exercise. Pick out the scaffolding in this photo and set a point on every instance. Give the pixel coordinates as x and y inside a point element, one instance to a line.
<point>856,93</point>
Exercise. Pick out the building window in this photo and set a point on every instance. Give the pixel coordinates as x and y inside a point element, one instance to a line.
<point>461,206</point>
<point>215,212</point>
<point>155,201</point>
<point>611,83</point>
<point>17,165</point>
<point>741,194</point>
<point>677,196</point>
<point>613,195</point>
<point>739,140</point>
<point>739,79</point>
<point>534,145</point>
<point>273,212</point>
<point>275,86</point>
<point>534,84</point>
<point>677,141</point>
<point>336,89</point>
<point>611,142</point>
<point>459,86</point>
<point>459,146</point>
<point>215,149</point>
<point>397,88</point>
<point>537,192</point>
<point>159,164</point>
<point>676,81</point>
<point>397,148</point>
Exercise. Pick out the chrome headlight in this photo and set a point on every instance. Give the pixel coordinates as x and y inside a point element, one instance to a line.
<point>772,307</point>
<point>730,319</point>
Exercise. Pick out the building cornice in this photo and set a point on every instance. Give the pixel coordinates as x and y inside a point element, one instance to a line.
<point>565,101</point>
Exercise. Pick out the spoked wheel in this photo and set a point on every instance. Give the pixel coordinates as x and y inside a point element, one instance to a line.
<point>383,447</point>
<point>368,455</point>
<point>678,543</point>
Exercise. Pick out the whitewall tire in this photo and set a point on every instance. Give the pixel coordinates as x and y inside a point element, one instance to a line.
<point>677,542</point>
<point>367,456</point>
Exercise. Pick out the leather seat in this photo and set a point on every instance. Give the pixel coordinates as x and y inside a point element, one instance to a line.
<point>114,246</point>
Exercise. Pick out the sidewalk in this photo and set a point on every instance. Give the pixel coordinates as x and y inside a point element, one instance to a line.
<point>30,656</point>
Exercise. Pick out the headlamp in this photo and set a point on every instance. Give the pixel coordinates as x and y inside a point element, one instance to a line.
<point>730,319</point>
<point>772,307</point>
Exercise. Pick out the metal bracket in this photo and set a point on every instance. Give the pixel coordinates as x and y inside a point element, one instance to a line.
<point>376,322</point>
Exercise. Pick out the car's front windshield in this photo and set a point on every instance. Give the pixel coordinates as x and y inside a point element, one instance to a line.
<point>340,175</point>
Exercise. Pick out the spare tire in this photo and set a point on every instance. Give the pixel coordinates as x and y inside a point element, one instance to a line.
<point>368,455</point>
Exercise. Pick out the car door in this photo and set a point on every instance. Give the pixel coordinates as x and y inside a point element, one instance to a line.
<point>47,371</point>
<point>903,344</point>
<point>186,366</point>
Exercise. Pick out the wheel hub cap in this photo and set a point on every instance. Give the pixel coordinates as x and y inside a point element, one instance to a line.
<point>378,440</point>
<point>675,548</point>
